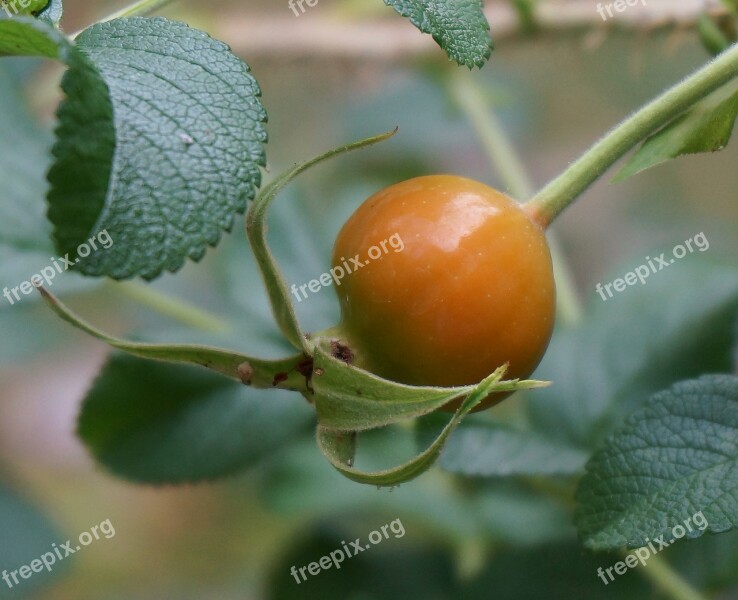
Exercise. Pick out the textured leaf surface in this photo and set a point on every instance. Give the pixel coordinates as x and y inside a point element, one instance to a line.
<point>676,457</point>
<point>458,26</point>
<point>157,423</point>
<point>188,143</point>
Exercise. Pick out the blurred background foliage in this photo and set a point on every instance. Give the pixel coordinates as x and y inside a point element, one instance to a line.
<point>477,535</point>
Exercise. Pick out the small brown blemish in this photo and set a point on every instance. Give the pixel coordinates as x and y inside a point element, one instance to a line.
<point>305,367</point>
<point>279,378</point>
<point>319,372</point>
<point>245,372</point>
<point>342,352</point>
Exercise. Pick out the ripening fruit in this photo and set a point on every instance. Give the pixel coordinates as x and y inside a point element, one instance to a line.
<point>459,282</point>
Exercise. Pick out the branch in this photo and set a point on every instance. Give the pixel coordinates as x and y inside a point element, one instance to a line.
<point>547,204</point>
<point>320,35</point>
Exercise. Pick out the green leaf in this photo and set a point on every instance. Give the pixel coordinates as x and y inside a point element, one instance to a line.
<point>26,36</point>
<point>351,399</point>
<point>330,444</point>
<point>632,346</point>
<point>158,423</point>
<point>713,38</point>
<point>185,156</point>
<point>256,227</point>
<point>303,253</point>
<point>491,449</point>
<point>25,245</point>
<point>706,127</point>
<point>675,458</point>
<point>86,137</point>
<point>301,483</point>
<point>458,26</point>
<point>255,372</point>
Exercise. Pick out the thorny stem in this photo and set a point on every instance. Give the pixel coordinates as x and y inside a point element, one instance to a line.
<point>547,204</point>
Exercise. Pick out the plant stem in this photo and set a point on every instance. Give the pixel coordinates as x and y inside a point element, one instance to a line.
<point>487,126</point>
<point>173,307</point>
<point>141,7</point>
<point>564,189</point>
<point>504,157</point>
<point>663,576</point>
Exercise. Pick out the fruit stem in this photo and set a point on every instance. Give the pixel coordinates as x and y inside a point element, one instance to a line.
<point>664,577</point>
<point>548,203</point>
<point>497,145</point>
<point>173,307</point>
<point>504,157</point>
